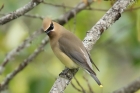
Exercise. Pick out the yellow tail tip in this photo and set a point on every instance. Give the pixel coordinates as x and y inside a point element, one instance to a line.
<point>101,85</point>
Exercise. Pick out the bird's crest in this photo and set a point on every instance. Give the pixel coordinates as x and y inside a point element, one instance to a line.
<point>46,23</point>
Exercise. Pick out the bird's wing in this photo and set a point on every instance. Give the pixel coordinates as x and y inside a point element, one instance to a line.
<point>92,61</point>
<point>75,53</point>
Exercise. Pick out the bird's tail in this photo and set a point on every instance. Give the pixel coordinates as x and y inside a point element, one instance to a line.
<point>96,79</point>
<point>93,75</point>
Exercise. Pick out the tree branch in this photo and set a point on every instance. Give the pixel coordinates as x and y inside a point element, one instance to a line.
<point>19,12</point>
<point>24,44</point>
<point>112,15</point>
<point>130,88</point>
<point>4,84</point>
<point>83,90</point>
<point>90,89</point>
<point>76,88</point>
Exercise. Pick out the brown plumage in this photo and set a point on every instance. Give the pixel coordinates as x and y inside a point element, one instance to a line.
<point>68,48</point>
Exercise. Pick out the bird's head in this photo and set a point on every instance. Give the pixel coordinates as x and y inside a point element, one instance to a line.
<point>48,25</point>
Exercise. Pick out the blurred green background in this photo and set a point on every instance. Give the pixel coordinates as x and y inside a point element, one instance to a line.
<point>116,53</point>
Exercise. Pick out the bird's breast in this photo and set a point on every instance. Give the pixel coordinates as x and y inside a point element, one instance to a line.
<point>64,58</point>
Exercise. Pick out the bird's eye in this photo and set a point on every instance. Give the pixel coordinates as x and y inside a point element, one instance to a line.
<point>51,27</point>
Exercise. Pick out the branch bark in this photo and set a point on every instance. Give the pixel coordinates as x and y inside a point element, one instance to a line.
<point>112,15</point>
<point>130,88</point>
<point>19,12</point>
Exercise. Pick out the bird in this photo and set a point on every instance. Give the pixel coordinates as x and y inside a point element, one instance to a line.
<point>68,48</point>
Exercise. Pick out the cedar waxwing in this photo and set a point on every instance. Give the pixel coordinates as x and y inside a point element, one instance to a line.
<point>68,48</point>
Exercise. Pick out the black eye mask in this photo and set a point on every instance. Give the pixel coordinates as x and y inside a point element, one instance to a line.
<point>50,28</point>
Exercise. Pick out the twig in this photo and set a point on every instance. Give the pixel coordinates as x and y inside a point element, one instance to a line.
<point>24,44</point>
<point>19,12</point>
<point>74,30</point>
<point>34,16</point>
<point>95,9</point>
<point>90,89</point>
<point>64,10</point>
<point>130,88</point>
<point>56,5</point>
<point>76,87</point>
<point>83,90</point>
<point>104,10</point>
<point>28,15</point>
<point>4,84</point>
<point>70,14</point>
<point>112,15</point>
<point>1,7</point>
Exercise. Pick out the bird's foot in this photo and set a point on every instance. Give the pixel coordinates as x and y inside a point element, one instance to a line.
<point>68,73</point>
<point>65,73</point>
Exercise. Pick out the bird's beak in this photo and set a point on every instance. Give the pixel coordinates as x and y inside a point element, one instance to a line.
<point>48,31</point>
